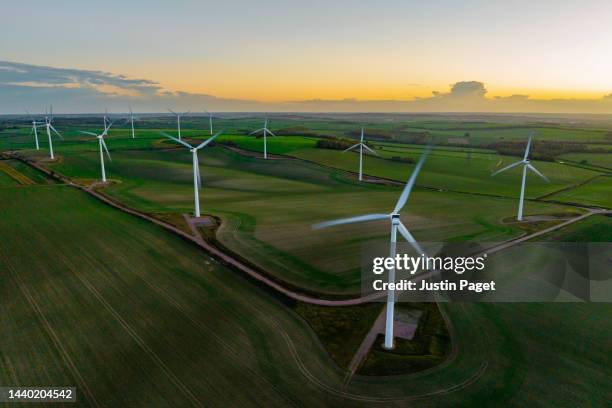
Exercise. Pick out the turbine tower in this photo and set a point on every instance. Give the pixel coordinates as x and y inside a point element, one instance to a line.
<point>102,145</point>
<point>49,127</point>
<point>396,225</point>
<point>210,120</point>
<point>361,147</point>
<point>35,126</point>
<point>178,120</point>
<point>132,122</point>
<point>197,181</point>
<point>265,132</point>
<point>526,165</point>
<point>106,118</point>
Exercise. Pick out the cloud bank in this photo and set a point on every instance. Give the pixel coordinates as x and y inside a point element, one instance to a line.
<point>25,86</point>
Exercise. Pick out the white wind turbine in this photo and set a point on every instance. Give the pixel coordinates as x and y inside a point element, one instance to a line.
<point>526,165</point>
<point>197,181</point>
<point>361,147</point>
<point>265,131</point>
<point>102,145</point>
<point>49,127</point>
<point>396,224</point>
<point>178,120</point>
<point>132,122</point>
<point>210,120</point>
<point>35,126</point>
<point>106,118</point>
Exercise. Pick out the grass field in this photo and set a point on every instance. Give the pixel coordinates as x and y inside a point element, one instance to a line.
<point>133,315</point>
<point>596,159</point>
<point>118,304</point>
<point>267,209</point>
<point>597,192</point>
<point>446,168</point>
<point>112,302</point>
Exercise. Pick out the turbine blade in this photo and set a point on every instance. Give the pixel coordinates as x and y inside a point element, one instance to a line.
<point>256,131</point>
<point>346,150</point>
<point>207,141</point>
<point>406,193</point>
<point>530,167</point>
<point>351,220</point>
<point>408,237</point>
<point>528,146</point>
<point>362,134</point>
<point>88,133</point>
<point>173,112</point>
<point>106,148</point>
<point>107,128</point>
<point>187,145</point>
<point>507,167</point>
<point>270,132</point>
<point>372,151</point>
<point>56,132</point>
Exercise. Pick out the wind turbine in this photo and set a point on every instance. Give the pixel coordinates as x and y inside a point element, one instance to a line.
<point>526,165</point>
<point>396,225</point>
<point>197,181</point>
<point>102,147</point>
<point>361,146</point>
<point>210,120</point>
<point>49,127</point>
<point>132,122</point>
<point>178,120</point>
<point>265,132</point>
<point>35,126</point>
<point>106,118</point>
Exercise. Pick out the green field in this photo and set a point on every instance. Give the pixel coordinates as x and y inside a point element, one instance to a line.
<point>267,209</point>
<point>106,290</point>
<point>595,159</point>
<point>133,315</point>
<point>597,192</point>
<point>446,168</point>
<point>108,302</point>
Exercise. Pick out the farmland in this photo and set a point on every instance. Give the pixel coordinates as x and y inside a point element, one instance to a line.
<point>597,192</point>
<point>254,198</point>
<point>116,297</point>
<point>165,319</point>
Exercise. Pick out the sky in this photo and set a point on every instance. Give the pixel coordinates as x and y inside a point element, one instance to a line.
<point>438,55</point>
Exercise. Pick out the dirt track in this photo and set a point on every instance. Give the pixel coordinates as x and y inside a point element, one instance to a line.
<point>228,259</point>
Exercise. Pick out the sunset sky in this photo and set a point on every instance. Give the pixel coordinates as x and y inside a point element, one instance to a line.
<point>277,52</point>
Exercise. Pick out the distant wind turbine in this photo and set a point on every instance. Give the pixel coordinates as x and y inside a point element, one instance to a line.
<point>35,126</point>
<point>361,146</point>
<point>210,120</point>
<point>132,122</point>
<point>197,181</point>
<point>526,165</point>
<point>49,127</point>
<point>265,132</point>
<point>178,120</point>
<point>396,225</point>
<point>106,118</point>
<point>102,145</point>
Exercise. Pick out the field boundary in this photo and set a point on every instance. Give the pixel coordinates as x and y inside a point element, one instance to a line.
<point>219,255</point>
<point>15,174</point>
